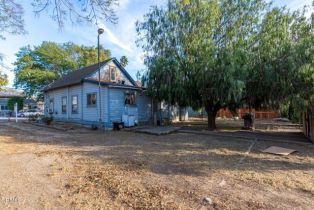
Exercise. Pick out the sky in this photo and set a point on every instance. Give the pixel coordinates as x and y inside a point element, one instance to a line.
<point>118,38</point>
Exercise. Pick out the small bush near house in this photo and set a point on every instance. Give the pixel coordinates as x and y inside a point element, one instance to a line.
<point>33,118</point>
<point>13,100</point>
<point>94,127</point>
<point>47,120</point>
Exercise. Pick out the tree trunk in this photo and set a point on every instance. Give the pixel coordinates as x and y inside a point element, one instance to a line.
<point>211,117</point>
<point>211,109</point>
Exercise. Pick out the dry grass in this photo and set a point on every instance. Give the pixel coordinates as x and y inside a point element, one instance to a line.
<point>282,179</point>
<point>291,173</point>
<point>108,186</point>
<point>122,170</point>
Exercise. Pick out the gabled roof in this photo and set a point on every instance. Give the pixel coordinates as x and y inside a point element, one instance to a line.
<point>10,92</point>
<point>77,76</point>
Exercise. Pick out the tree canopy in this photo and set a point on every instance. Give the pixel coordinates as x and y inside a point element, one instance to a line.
<point>37,67</point>
<point>217,54</point>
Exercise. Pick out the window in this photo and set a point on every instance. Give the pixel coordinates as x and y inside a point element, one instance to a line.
<point>64,104</point>
<point>129,98</point>
<point>112,73</point>
<point>3,107</point>
<point>91,99</point>
<point>74,105</point>
<point>51,106</point>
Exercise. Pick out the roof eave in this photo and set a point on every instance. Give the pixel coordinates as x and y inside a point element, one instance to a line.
<point>64,86</point>
<point>113,85</point>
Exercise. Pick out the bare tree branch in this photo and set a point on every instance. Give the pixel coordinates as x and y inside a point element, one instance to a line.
<point>11,18</point>
<point>77,11</point>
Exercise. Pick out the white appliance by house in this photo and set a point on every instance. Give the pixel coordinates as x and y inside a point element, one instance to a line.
<point>130,116</point>
<point>128,120</point>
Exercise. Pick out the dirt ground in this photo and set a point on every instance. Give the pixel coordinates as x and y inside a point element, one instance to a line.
<point>44,168</point>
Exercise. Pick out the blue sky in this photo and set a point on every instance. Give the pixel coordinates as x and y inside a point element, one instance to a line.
<point>119,38</point>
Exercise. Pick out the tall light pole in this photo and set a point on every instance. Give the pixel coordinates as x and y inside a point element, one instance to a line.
<point>100,31</point>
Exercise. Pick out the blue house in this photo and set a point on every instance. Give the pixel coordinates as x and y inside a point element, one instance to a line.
<point>77,97</point>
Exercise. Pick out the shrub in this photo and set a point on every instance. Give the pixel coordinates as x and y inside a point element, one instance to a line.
<point>47,120</point>
<point>13,100</point>
<point>94,127</point>
<point>33,117</point>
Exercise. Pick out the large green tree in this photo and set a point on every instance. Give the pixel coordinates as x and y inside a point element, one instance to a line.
<point>37,67</point>
<point>217,54</point>
<point>302,32</point>
<point>271,65</point>
<point>197,51</point>
<point>282,68</point>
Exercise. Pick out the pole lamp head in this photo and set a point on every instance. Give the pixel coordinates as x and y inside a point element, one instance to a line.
<point>101,31</point>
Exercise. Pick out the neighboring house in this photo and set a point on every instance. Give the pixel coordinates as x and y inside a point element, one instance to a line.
<point>5,95</point>
<point>32,104</point>
<point>76,97</point>
<point>308,124</point>
<point>172,113</point>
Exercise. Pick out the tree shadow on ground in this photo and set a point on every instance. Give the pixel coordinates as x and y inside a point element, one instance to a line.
<point>177,154</point>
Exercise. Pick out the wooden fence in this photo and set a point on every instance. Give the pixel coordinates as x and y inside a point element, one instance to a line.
<point>259,114</point>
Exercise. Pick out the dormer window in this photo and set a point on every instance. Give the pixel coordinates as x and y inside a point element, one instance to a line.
<point>129,98</point>
<point>113,72</point>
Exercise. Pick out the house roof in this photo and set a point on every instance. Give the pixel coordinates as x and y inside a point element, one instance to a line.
<point>10,92</point>
<point>74,77</point>
<point>77,76</point>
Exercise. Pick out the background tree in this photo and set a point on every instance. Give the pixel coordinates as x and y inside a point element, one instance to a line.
<point>272,62</point>
<point>3,77</point>
<point>218,54</point>
<point>282,63</point>
<point>124,61</point>
<point>302,33</point>
<point>37,67</point>
<point>13,100</point>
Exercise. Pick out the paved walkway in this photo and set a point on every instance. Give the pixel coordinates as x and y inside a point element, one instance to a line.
<point>159,130</point>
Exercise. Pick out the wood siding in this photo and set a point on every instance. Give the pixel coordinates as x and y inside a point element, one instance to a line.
<point>116,104</point>
<point>112,104</point>
<point>91,113</point>
<point>105,74</point>
<point>144,107</point>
